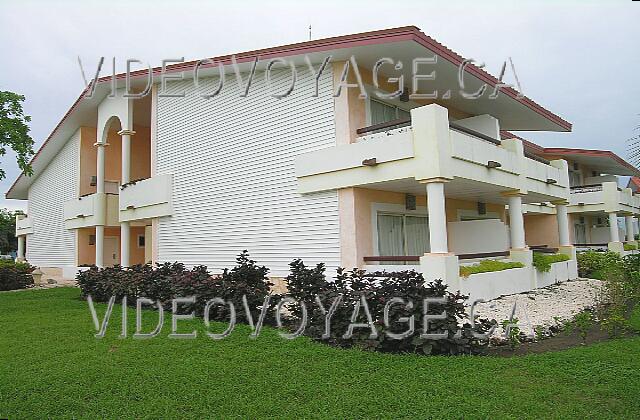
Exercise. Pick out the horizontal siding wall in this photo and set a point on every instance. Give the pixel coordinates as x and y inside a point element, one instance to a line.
<point>51,245</point>
<point>234,176</point>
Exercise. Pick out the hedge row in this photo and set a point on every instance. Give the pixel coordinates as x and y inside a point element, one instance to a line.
<point>15,275</point>
<point>310,286</point>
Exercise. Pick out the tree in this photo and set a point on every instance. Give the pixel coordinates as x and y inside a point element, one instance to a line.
<point>8,240</point>
<point>14,131</point>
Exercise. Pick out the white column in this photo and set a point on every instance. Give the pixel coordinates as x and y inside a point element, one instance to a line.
<point>437,218</point>
<point>125,229</point>
<point>613,227</point>
<point>100,167</point>
<point>563,224</point>
<point>100,246</point>
<point>629,222</point>
<point>516,222</point>
<point>21,243</point>
<point>125,239</point>
<point>100,189</point>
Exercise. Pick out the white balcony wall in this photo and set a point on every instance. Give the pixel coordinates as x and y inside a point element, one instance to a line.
<point>91,210</point>
<point>24,225</point>
<point>474,236</point>
<point>147,198</point>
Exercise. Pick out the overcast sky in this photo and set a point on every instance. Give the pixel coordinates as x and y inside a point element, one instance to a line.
<point>578,59</point>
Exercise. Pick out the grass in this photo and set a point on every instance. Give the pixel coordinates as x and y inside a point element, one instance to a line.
<point>542,262</point>
<point>486,266</point>
<point>630,247</point>
<point>52,366</point>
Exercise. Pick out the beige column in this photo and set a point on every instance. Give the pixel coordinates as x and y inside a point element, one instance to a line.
<point>125,228</point>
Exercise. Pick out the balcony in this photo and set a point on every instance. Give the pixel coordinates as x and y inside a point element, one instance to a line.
<point>399,154</point>
<point>24,225</point>
<point>604,197</point>
<point>91,210</point>
<point>146,198</point>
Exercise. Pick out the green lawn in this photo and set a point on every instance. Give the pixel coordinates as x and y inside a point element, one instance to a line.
<point>52,366</point>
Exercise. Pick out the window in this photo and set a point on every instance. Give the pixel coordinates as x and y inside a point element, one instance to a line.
<point>400,234</point>
<point>140,241</point>
<point>382,112</point>
<point>574,179</point>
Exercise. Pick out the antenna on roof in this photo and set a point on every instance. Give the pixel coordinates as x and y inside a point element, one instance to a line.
<point>309,32</point>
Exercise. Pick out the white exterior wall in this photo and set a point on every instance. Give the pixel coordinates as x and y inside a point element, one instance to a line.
<point>51,245</point>
<point>235,187</point>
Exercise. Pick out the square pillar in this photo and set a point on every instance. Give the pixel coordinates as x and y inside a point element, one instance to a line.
<point>441,266</point>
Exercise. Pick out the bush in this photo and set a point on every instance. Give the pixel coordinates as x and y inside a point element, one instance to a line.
<point>630,247</point>
<point>169,280</point>
<point>15,275</point>
<point>592,264</point>
<point>542,262</point>
<point>378,289</point>
<point>486,266</point>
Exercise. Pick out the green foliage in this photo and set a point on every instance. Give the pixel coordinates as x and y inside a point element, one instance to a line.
<point>166,281</point>
<point>14,131</point>
<point>486,266</point>
<point>540,332</point>
<point>542,262</point>
<point>583,323</point>
<point>378,289</point>
<point>15,276</point>
<point>620,292</point>
<point>512,331</point>
<point>53,367</point>
<point>593,264</point>
<point>630,247</point>
<point>8,240</point>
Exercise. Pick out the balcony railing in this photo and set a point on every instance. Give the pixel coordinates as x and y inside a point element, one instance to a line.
<point>579,189</point>
<point>431,146</point>
<point>24,225</point>
<point>146,198</point>
<point>91,210</point>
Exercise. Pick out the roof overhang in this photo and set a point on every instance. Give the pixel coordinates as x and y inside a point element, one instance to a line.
<point>602,161</point>
<point>515,112</point>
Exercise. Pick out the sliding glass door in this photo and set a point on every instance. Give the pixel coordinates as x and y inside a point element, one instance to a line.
<point>402,235</point>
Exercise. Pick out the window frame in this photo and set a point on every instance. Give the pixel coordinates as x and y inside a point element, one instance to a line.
<point>394,102</point>
<point>393,210</point>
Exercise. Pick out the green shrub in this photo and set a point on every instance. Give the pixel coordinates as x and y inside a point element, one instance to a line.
<point>378,289</point>
<point>169,280</point>
<point>486,266</point>
<point>593,264</point>
<point>15,275</point>
<point>542,262</point>
<point>630,247</point>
